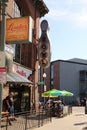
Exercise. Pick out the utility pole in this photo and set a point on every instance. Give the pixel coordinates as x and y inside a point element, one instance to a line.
<point>2,47</point>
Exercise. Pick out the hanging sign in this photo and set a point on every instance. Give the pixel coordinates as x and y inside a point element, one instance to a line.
<point>19,30</point>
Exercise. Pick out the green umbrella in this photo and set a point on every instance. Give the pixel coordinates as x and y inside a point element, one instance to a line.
<point>67,93</point>
<point>53,93</point>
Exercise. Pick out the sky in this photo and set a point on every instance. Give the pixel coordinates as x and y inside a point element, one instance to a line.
<point>68,28</point>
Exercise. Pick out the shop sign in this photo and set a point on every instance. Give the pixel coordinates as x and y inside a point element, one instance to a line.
<point>19,30</point>
<point>3,75</point>
<point>21,71</point>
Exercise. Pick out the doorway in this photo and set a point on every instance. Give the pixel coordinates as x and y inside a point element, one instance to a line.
<point>22,96</point>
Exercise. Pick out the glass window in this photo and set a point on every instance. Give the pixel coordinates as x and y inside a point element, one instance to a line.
<point>16,13</point>
<point>52,75</point>
<point>82,75</point>
<point>52,71</point>
<point>15,10</point>
<point>51,82</point>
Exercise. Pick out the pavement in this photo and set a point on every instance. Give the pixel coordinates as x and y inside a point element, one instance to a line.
<point>75,121</point>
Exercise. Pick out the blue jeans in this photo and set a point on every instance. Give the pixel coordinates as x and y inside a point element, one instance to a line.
<point>11,110</point>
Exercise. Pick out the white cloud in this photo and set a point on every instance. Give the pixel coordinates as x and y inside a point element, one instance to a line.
<point>74,11</point>
<point>81,20</point>
<point>80,1</point>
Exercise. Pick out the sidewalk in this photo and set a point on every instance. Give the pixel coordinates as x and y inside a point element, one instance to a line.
<point>76,121</point>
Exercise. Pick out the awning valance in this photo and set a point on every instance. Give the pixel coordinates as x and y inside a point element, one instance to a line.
<point>14,77</point>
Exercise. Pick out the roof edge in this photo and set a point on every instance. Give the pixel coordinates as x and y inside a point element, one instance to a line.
<point>41,6</point>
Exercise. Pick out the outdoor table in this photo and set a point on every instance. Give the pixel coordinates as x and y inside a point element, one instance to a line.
<point>5,116</point>
<point>5,113</point>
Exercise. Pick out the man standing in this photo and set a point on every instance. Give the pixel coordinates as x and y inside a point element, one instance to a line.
<point>10,103</point>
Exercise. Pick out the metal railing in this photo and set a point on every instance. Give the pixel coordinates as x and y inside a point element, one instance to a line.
<point>26,120</point>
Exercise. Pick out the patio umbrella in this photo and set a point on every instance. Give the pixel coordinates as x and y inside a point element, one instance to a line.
<point>53,93</point>
<point>67,93</point>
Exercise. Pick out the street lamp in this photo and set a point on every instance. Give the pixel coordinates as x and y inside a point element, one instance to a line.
<point>44,77</point>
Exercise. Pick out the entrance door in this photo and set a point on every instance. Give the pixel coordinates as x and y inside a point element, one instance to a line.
<point>22,96</point>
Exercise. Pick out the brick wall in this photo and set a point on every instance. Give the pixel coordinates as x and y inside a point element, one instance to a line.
<point>56,74</point>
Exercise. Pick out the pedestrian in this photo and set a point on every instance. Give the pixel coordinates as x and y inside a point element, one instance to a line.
<point>60,108</point>
<point>10,103</point>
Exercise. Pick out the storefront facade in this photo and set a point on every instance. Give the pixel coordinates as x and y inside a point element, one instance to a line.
<point>25,54</point>
<point>21,86</point>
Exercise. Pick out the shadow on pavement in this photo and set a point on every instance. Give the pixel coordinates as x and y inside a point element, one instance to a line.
<point>82,123</point>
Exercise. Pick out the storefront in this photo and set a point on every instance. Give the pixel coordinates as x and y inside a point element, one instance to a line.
<point>21,87</point>
<point>22,96</point>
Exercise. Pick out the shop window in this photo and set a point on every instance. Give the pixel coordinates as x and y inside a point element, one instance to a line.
<point>22,94</point>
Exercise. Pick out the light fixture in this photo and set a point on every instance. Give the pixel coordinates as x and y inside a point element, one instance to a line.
<point>44,75</point>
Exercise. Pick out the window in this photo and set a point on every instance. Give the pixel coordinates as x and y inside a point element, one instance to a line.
<point>15,10</point>
<point>51,82</point>
<point>16,13</point>
<point>83,75</point>
<point>52,71</point>
<point>52,75</point>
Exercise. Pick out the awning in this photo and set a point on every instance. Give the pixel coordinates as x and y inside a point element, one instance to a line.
<point>14,77</point>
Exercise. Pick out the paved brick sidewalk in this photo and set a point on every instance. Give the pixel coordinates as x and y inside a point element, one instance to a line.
<point>75,121</point>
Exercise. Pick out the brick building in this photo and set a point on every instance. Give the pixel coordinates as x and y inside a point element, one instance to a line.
<point>70,75</point>
<point>24,55</point>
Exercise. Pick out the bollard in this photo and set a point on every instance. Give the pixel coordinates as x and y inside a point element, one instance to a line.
<point>85,109</point>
